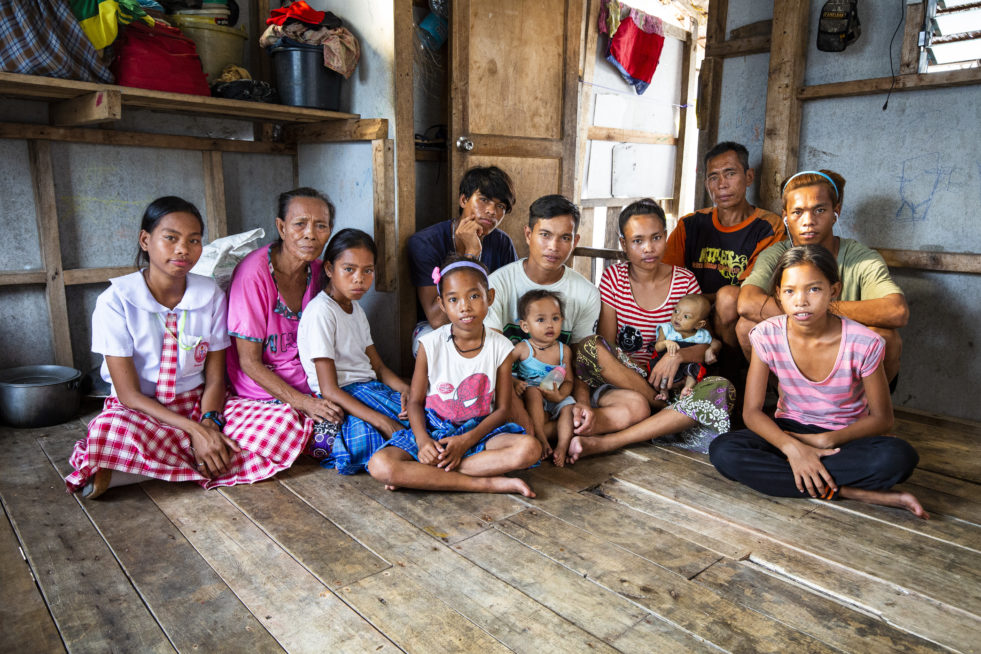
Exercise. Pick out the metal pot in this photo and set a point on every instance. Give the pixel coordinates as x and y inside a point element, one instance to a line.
<point>39,396</point>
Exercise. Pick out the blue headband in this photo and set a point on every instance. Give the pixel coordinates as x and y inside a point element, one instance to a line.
<point>816,172</point>
<point>439,274</point>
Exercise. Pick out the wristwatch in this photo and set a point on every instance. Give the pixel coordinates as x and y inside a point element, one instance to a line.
<point>217,417</point>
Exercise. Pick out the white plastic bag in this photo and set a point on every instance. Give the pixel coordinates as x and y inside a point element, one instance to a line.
<point>219,258</point>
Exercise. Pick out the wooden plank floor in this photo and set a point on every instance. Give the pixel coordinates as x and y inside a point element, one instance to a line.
<point>645,550</point>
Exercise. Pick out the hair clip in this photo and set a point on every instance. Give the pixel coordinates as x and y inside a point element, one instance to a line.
<point>437,275</point>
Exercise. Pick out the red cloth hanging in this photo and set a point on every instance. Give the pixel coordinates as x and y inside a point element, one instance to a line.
<point>299,10</point>
<point>638,52</point>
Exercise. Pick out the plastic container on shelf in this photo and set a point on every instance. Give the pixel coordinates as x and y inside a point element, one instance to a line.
<point>302,79</point>
<point>217,14</point>
<point>217,45</point>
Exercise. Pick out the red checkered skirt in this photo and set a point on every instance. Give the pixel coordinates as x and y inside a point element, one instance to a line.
<point>271,437</point>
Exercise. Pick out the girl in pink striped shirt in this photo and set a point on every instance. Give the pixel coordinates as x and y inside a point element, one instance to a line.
<point>825,439</point>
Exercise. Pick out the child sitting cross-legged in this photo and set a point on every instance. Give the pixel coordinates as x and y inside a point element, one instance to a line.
<point>459,439</point>
<point>540,372</point>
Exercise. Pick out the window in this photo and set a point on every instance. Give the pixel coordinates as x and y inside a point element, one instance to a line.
<point>952,39</point>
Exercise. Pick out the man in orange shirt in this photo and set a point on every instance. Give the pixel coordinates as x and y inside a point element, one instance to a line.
<point>720,244</point>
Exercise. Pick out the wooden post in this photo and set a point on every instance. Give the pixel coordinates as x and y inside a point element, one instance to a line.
<point>788,55</point>
<point>42,175</point>
<point>89,109</point>
<point>710,93</point>
<point>682,165</point>
<point>575,15</point>
<point>405,177</point>
<point>383,182</point>
<point>587,70</point>
<point>216,219</point>
<point>910,55</point>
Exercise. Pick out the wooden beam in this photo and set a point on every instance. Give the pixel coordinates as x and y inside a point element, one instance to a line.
<point>383,186</point>
<point>709,101</point>
<point>79,276</point>
<point>599,253</point>
<point>42,176</point>
<point>683,165</point>
<point>261,65</point>
<point>955,262</point>
<point>368,129</point>
<point>739,47</point>
<point>19,277</point>
<point>582,265</point>
<point>587,70</point>
<point>575,17</point>
<point>613,202</point>
<point>137,139</point>
<point>910,55</point>
<point>493,145</point>
<point>405,180</point>
<point>881,84</point>
<point>50,88</point>
<point>783,108</point>
<point>629,136</point>
<point>89,109</point>
<point>216,219</point>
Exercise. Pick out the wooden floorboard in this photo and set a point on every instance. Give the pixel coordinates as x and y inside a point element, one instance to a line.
<point>89,596</point>
<point>189,600</point>
<point>644,550</point>
<point>27,625</point>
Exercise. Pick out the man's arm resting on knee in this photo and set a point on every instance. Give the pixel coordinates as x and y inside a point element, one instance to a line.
<point>889,312</point>
<point>756,304</point>
<point>429,299</point>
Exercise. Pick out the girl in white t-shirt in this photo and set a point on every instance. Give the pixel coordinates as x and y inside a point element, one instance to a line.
<point>342,365</point>
<point>459,439</point>
<point>163,334</point>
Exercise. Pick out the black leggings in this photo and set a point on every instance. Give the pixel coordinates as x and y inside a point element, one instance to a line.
<point>872,463</point>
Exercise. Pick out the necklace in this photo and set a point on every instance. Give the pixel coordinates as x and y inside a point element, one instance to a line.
<point>541,349</point>
<point>473,349</point>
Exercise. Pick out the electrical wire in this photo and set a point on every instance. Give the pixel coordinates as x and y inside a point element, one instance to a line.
<point>902,19</point>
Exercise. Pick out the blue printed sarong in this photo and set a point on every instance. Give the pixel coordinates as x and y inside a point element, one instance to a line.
<point>440,428</point>
<point>357,439</point>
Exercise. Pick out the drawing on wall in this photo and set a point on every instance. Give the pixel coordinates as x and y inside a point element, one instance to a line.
<point>921,178</point>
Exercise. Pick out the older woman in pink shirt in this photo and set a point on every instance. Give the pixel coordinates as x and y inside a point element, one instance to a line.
<point>269,290</point>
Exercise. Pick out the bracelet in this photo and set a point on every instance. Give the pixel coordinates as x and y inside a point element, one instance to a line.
<point>216,417</point>
<point>763,306</point>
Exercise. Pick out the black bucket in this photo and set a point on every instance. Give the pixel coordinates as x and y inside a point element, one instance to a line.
<point>302,79</point>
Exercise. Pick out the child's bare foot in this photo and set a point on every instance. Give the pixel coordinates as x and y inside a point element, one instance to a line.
<point>560,454</point>
<point>898,499</point>
<point>686,391</point>
<point>662,396</point>
<point>579,447</point>
<point>509,485</point>
<point>391,487</point>
<point>710,357</point>
<point>546,448</point>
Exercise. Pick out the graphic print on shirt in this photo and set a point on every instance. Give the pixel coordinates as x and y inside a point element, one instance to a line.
<point>630,339</point>
<point>730,264</point>
<point>473,398</point>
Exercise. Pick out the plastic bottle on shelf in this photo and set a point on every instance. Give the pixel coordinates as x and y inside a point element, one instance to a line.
<point>553,379</point>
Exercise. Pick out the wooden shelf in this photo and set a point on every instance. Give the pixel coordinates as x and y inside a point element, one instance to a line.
<point>34,87</point>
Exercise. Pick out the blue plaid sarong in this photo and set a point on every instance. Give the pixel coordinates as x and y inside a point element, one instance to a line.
<point>440,428</point>
<point>357,439</point>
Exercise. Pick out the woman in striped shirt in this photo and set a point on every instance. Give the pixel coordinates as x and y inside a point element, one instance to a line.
<point>826,437</point>
<point>638,295</point>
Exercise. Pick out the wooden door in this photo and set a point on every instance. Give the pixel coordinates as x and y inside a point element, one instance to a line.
<point>514,95</point>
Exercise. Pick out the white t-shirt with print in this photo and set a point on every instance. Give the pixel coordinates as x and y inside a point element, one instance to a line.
<point>461,388</point>
<point>326,331</point>
<point>129,322</point>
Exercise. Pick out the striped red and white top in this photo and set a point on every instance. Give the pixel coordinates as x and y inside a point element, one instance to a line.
<point>636,327</point>
<point>834,402</point>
